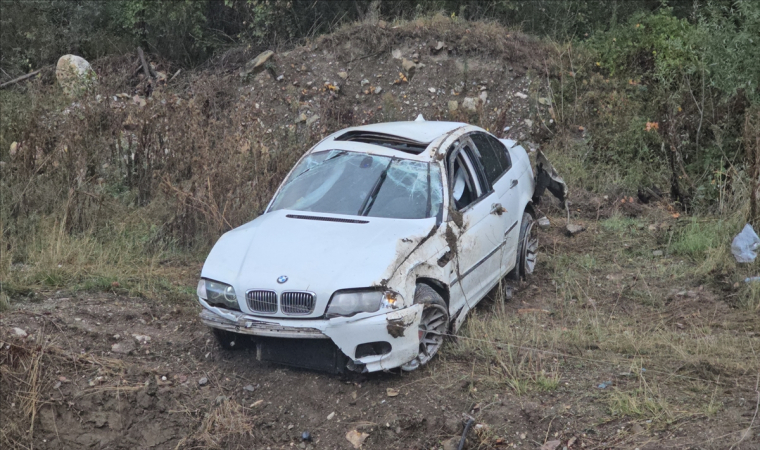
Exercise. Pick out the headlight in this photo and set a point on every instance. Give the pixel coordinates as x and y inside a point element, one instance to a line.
<point>218,294</point>
<point>348,303</point>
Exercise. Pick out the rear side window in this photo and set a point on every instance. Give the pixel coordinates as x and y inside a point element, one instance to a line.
<point>493,155</point>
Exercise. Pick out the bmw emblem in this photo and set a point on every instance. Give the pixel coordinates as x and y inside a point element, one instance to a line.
<point>282,279</point>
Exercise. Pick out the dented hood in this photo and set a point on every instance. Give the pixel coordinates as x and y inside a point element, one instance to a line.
<point>316,253</point>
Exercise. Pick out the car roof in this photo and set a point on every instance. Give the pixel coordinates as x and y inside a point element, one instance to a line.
<point>402,139</point>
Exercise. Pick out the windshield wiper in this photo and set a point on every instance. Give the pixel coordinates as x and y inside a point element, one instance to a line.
<point>370,200</point>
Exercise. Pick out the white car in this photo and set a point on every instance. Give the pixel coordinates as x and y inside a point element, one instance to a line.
<point>378,243</point>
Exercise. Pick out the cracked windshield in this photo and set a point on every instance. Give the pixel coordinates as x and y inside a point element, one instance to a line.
<point>358,184</point>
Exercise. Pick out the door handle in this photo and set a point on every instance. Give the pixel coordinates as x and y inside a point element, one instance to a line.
<point>497,209</point>
<point>514,183</point>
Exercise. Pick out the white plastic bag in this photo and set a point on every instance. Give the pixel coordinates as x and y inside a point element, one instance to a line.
<point>745,245</point>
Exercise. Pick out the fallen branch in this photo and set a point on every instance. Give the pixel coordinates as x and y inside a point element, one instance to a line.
<point>21,78</point>
<point>145,66</point>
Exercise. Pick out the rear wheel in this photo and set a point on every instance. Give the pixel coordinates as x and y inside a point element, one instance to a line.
<point>527,248</point>
<point>433,325</point>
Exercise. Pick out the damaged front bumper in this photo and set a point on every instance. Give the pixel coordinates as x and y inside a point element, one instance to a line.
<point>384,340</point>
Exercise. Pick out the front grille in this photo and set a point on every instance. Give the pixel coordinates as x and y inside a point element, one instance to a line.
<point>262,301</point>
<point>297,303</point>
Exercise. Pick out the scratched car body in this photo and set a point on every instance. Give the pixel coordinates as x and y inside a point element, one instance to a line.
<point>376,246</point>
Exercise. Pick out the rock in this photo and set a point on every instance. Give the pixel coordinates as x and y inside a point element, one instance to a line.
<point>452,425</point>
<point>312,119</point>
<point>203,381</point>
<point>528,122</point>
<point>470,104</point>
<point>14,148</point>
<point>256,65</point>
<point>221,399</point>
<point>364,82</point>
<point>657,253</point>
<point>356,438</point>
<point>483,96</point>
<point>390,392</point>
<point>451,443</point>
<point>19,332</point>
<point>637,429</point>
<point>431,90</point>
<point>331,415</point>
<point>74,74</point>
<point>122,348</point>
<point>378,90</point>
<point>382,24</point>
<point>550,445</point>
<point>281,77</point>
<point>545,101</point>
<point>573,229</point>
<point>409,67</point>
<point>453,105</point>
<point>306,436</point>
<point>544,223</point>
<point>343,75</point>
<point>437,46</point>
<point>396,54</point>
<point>250,388</point>
<point>301,118</point>
<point>521,95</point>
<point>141,339</point>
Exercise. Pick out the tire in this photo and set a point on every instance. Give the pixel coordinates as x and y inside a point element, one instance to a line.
<point>433,326</point>
<point>527,248</point>
<point>228,340</point>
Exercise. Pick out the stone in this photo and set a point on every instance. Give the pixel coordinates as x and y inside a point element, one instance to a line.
<point>483,96</point>
<point>364,82</point>
<point>378,90</point>
<point>451,443</point>
<point>431,90</point>
<point>409,67</point>
<point>470,104</point>
<point>396,54</point>
<point>331,415</point>
<point>521,95</point>
<point>257,64</point>
<point>203,381</point>
<point>19,332</point>
<point>301,118</point>
<point>544,223</point>
<point>250,388</point>
<point>528,122</point>
<point>550,445</point>
<point>281,77</point>
<point>545,101</point>
<point>573,229</point>
<point>312,119</point>
<point>657,253</point>
<point>382,24</point>
<point>453,105</point>
<point>438,46</point>
<point>141,339</point>
<point>356,438</point>
<point>74,74</point>
<point>122,348</point>
<point>221,399</point>
<point>343,75</point>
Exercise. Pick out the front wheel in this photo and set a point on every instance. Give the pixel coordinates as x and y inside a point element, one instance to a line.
<point>433,325</point>
<point>527,248</point>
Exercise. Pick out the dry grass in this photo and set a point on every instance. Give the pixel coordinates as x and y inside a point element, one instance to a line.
<point>221,426</point>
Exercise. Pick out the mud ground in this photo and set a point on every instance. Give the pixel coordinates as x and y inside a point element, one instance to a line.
<point>107,371</point>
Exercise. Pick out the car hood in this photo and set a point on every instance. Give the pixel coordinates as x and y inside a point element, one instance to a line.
<point>320,253</point>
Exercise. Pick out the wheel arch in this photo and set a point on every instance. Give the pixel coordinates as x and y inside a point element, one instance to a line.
<point>438,286</point>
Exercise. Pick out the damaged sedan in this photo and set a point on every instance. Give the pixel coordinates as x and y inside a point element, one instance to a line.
<point>376,246</point>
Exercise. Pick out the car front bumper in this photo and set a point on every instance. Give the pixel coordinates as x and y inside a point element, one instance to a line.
<point>397,327</point>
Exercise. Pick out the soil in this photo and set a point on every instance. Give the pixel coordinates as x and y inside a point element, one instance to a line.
<point>107,371</point>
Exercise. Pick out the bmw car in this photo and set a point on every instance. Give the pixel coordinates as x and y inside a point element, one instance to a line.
<point>375,247</point>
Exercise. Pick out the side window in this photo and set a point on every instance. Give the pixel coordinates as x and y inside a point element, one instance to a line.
<point>464,186</point>
<point>493,155</point>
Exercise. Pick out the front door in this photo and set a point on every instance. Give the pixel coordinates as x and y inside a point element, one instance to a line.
<point>474,266</point>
